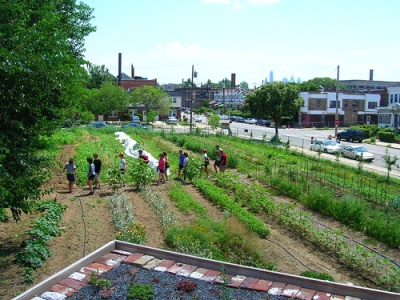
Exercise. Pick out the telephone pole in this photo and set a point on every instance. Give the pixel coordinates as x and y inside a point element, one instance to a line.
<point>337,103</point>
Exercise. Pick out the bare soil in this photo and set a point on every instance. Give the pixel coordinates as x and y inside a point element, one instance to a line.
<point>88,225</point>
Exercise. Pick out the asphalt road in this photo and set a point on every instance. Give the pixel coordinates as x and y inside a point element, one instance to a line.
<point>300,138</point>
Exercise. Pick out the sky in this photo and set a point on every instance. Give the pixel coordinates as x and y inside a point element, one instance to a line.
<point>305,39</point>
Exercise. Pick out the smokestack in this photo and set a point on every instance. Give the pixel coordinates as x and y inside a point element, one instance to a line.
<point>132,72</point>
<point>233,80</point>
<point>119,68</point>
<point>371,75</point>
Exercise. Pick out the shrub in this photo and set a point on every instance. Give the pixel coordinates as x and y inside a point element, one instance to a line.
<point>386,136</point>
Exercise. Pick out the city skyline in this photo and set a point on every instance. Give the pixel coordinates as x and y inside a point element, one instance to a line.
<point>302,38</point>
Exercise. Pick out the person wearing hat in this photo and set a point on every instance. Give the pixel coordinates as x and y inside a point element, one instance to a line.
<point>144,157</point>
<point>206,162</point>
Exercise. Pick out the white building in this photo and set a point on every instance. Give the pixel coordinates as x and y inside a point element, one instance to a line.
<point>388,116</point>
<point>319,109</point>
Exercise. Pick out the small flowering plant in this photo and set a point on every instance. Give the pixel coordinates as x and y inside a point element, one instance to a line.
<point>133,233</point>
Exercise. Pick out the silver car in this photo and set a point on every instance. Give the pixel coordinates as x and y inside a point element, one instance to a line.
<point>326,146</point>
<point>357,153</point>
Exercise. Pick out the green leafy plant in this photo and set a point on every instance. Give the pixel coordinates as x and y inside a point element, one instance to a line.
<point>141,292</point>
<point>142,175</point>
<point>99,282</point>
<point>316,275</point>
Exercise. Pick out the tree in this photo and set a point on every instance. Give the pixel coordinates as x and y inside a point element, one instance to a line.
<point>41,50</point>
<point>151,116</point>
<point>188,83</point>
<point>151,98</point>
<point>108,98</point>
<point>214,121</point>
<point>276,101</point>
<point>244,85</point>
<point>316,83</point>
<point>98,75</point>
<point>224,82</point>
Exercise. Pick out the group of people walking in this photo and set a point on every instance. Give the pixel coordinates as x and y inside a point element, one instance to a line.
<point>95,167</point>
<point>93,173</point>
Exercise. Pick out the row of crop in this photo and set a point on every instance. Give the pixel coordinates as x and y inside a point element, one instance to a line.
<point>360,259</point>
<point>217,196</point>
<point>345,207</point>
<point>293,181</point>
<point>42,231</point>
<point>122,214</point>
<point>228,240</point>
<point>248,157</point>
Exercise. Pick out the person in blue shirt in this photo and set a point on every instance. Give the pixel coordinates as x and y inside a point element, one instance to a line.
<point>181,162</point>
<point>91,174</point>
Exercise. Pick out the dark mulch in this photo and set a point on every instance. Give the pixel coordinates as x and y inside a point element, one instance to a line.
<point>165,287</point>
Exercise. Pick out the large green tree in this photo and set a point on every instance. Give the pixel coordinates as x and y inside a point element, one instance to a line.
<point>276,101</point>
<point>99,75</point>
<point>151,98</point>
<point>107,98</point>
<point>41,59</point>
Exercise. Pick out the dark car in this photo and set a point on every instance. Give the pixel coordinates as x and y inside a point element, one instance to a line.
<point>99,124</point>
<point>135,119</point>
<point>134,125</point>
<point>262,122</point>
<point>351,135</point>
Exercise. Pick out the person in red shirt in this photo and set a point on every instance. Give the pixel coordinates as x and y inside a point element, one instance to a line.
<point>144,157</point>
<point>161,169</point>
<point>224,161</point>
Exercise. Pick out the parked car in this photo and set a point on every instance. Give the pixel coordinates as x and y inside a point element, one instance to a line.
<point>197,119</point>
<point>262,122</point>
<point>326,146</point>
<point>99,124</point>
<point>357,153</point>
<point>351,135</point>
<point>250,121</point>
<point>135,119</point>
<point>240,119</point>
<point>172,120</point>
<point>134,125</point>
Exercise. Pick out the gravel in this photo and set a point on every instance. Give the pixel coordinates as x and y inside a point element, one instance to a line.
<point>165,287</point>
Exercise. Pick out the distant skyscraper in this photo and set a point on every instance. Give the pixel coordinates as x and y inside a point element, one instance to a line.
<point>285,80</point>
<point>291,79</point>
<point>265,80</point>
<point>298,80</point>
<point>271,76</point>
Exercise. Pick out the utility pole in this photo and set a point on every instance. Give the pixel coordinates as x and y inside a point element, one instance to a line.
<point>337,103</point>
<point>191,100</point>
<point>223,95</point>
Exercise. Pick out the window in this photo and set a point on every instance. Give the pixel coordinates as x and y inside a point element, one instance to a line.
<point>391,98</point>
<point>332,104</point>
<point>174,100</point>
<point>372,105</point>
<point>114,113</point>
<point>318,104</point>
<point>384,118</point>
<point>395,98</point>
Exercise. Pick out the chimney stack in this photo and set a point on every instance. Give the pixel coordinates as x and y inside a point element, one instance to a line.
<point>371,75</point>
<point>233,80</point>
<point>132,72</point>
